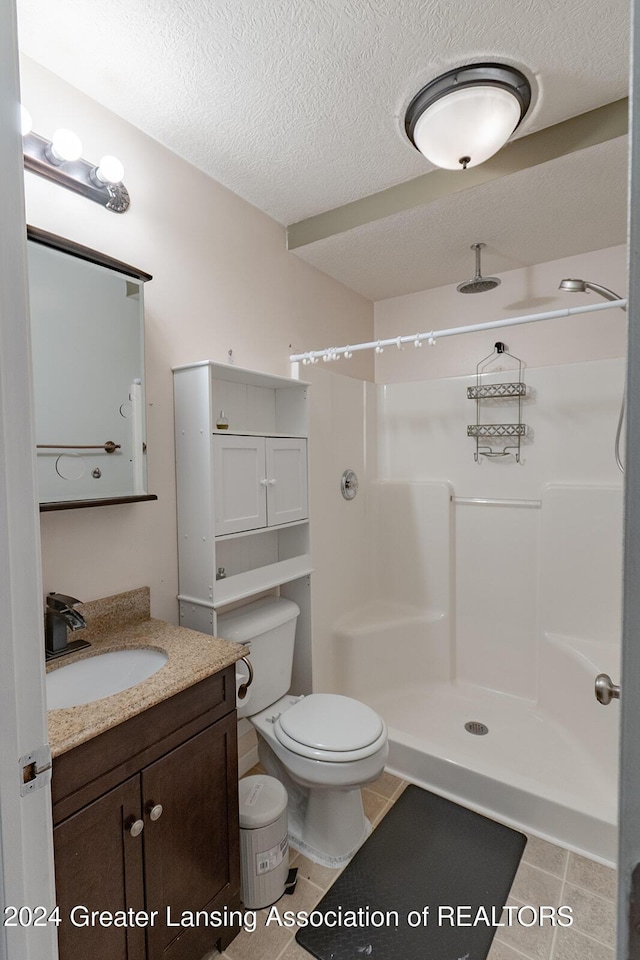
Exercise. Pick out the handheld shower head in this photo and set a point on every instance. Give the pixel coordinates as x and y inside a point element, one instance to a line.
<point>479,284</point>
<point>584,286</point>
<point>573,286</point>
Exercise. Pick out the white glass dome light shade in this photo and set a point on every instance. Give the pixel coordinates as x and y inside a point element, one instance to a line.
<point>462,117</point>
<point>471,122</point>
<point>66,145</point>
<point>110,170</point>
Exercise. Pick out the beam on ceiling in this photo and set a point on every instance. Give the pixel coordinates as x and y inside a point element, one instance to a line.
<point>586,130</point>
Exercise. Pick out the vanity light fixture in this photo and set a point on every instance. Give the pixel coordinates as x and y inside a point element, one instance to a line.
<point>60,160</point>
<point>464,116</point>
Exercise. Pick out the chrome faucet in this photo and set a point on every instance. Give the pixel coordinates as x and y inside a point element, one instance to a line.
<point>60,617</point>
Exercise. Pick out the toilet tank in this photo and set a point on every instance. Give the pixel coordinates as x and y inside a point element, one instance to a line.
<point>268,628</point>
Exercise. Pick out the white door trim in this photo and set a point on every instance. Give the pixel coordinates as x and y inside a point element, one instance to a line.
<point>628,944</point>
<point>26,848</point>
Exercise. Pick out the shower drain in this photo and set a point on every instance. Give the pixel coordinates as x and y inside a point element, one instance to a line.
<point>477,728</point>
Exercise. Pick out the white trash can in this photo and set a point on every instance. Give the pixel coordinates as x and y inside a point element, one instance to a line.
<point>264,841</point>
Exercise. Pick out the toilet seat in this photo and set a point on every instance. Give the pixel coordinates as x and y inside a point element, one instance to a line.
<point>332,728</point>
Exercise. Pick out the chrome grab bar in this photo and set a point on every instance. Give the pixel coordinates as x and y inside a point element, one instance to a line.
<point>108,447</point>
<point>606,689</point>
<point>243,688</point>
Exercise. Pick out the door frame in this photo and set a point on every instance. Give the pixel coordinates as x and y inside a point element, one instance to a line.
<point>26,844</point>
<point>628,941</point>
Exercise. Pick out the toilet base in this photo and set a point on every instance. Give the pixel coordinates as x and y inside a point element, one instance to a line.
<point>315,835</point>
<point>327,825</point>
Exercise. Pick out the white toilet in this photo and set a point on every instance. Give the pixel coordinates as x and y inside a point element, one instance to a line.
<point>323,747</point>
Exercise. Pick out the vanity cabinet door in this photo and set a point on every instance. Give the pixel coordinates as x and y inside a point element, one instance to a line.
<point>98,867</point>
<point>191,840</point>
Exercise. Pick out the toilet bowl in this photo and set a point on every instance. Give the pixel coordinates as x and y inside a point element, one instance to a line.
<point>322,747</point>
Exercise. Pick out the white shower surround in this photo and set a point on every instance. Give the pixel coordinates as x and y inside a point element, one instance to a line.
<point>501,614</point>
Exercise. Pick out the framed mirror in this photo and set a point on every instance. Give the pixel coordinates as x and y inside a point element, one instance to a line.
<point>87,331</point>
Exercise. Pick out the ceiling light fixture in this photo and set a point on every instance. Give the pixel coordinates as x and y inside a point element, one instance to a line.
<point>60,160</point>
<point>466,115</point>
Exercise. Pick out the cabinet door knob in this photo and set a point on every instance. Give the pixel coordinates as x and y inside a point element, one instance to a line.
<point>155,811</point>
<point>136,828</point>
<point>264,483</point>
<point>271,483</point>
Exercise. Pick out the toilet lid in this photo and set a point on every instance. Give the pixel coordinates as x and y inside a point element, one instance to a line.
<point>329,722</point>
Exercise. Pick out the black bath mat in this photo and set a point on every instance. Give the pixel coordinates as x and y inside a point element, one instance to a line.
<point>426,852</point>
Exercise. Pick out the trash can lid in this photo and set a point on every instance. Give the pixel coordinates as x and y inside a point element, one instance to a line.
<point>262,800</point>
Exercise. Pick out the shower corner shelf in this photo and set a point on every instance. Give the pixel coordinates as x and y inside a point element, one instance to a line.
<point>510,390</point>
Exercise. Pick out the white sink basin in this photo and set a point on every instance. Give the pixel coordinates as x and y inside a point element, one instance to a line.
<point>100,676</point>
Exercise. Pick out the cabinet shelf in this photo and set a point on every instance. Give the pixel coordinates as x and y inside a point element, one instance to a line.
<point>243,585</point>
<point>256,533</point>
<point>260,433</point>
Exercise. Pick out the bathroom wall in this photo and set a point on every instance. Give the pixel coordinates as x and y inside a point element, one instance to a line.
<point>524,291</point>
<point>343,436</point>
<point>222,280</point>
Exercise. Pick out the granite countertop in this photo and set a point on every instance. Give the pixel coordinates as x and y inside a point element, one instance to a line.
<point>123,622</point>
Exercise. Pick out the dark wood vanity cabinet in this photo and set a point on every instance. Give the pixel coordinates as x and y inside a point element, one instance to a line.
<point>146,830</point>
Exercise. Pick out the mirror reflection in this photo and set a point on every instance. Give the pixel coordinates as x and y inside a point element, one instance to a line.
<point>87,327</point>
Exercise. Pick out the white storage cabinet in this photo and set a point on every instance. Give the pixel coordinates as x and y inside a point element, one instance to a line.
<point>242,492</point>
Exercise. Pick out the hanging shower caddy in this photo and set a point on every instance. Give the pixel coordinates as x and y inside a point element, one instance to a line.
<point>511,390</point>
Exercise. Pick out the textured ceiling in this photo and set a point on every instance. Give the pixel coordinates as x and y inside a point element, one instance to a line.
<point>297,106</point>
<point>568,206</point>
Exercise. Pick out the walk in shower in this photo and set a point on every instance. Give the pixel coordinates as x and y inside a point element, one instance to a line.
<point>493,600</point>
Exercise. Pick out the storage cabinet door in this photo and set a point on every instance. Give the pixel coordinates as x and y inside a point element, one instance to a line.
<point>191,850</point>
<point>286,480</point>
<point>99,866</point>
<point>239,484</point>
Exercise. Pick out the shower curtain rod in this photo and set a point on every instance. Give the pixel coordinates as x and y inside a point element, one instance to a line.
<point>334,353</point>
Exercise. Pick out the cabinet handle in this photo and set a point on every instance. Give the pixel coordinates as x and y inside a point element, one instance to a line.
<point>136,828</point>
<point>271,483</point>
<point>264,483</point>
<point>155,811</point>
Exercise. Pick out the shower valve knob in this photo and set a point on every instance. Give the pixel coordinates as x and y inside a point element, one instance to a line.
<point>606,689</point>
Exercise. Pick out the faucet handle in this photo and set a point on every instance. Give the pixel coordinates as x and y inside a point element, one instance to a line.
<point>60,601</point>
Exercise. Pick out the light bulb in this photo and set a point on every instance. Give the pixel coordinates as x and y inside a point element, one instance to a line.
<point>110,170</point>
<point>25,121</point>
<point>66,145</point>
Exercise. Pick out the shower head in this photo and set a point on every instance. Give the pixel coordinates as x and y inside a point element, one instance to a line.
<point>584,286</point>
<point>479,284</point>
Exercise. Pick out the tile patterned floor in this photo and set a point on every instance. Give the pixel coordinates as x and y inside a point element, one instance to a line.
<point>547,875</point>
